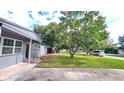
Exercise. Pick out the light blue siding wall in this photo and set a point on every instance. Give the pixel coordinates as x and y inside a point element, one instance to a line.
<point>8,60</point>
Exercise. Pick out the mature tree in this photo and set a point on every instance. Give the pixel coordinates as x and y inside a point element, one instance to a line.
<point>76,29</point>
<point>48,33</point>
<point>71,35</point>
<point>93,30</point>
<point>121,41</point>
<point>84,29</point>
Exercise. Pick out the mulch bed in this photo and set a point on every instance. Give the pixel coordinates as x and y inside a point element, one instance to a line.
<point>47,58</point>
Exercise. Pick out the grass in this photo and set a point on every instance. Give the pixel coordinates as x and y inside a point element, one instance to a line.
<point>117,55</point>
<point>63,60</point>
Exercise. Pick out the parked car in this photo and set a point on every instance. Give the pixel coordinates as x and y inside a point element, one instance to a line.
<point>62,50</point>
<point>98,53</point>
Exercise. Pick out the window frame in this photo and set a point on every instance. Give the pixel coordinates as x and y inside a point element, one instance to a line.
<point>18,47</point>
<point>13,47</point>
<point>37,47</point>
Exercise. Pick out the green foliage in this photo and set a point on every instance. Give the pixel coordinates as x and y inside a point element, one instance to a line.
<point>48,34</point>
<point>93,30</point>
<point>111,50</point>
<point>86,30</point>
<point>77,29</point>
<point>121,48</point>
<point>71,24</point>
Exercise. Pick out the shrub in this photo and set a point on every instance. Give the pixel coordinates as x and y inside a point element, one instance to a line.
<point>111,50</point>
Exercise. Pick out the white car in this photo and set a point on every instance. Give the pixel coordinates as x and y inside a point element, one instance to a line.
<point>98,53</point>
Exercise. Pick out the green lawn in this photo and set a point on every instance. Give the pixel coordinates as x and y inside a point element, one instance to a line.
<point>62,60</point>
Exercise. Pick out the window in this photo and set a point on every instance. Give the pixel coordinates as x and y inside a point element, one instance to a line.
<point>7,46</point>
<point>18,44</point>
<point>7,50</point>
<point>8,42</point>
<point>18,47</point>
<point>36,47</point>
<point>11,46</point>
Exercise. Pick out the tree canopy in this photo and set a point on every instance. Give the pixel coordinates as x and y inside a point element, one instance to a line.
<point>84,29</point>
<point>48,33</point>
<point>77,29</point>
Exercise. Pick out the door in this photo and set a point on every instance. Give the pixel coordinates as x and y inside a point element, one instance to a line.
<point>27,51</point>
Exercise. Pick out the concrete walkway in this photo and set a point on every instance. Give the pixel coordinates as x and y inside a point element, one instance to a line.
<point>72,74</point>
<point>13,72</point>
<point>120,58</point>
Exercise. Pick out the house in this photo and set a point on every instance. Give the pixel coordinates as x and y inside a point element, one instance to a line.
<point>18,44</point>
<point>120,51</point>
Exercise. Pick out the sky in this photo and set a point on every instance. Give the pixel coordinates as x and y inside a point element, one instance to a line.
<point>29,18</point>
<point>22,13</point>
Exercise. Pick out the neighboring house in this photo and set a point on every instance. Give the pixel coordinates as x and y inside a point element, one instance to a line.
<point>120,51</point>
<point>18,44</point>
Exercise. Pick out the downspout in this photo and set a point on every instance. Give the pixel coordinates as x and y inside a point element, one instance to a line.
<point>30,46</point>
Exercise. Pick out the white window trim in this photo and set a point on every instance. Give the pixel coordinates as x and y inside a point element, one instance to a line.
<point>14,47</point>
<point>18,47</point>
<point>1,47</point>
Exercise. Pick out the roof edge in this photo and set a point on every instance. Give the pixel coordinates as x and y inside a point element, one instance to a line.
<point>15,24</point>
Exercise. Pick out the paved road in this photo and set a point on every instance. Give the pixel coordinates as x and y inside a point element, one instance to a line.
<point>120,58</point>
<point>72,74</point>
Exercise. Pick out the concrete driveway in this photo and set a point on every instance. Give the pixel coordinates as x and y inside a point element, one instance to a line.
<point>72,74</point>
<point>13,72</point>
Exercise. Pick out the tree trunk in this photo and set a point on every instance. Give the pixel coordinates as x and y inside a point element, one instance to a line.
<point>72,52</point>
<point>71,55</point>
<point>87,52</point>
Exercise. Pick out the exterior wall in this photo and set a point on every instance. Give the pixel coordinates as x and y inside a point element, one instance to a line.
<point>38,51</point>
<point>11,59</point>
<point>34,50</point>
<point>24,49</point>
<point>120,51</point>
<point>16,32</point>
<point>0,45</point>
<point>43,50</point>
